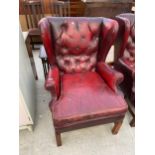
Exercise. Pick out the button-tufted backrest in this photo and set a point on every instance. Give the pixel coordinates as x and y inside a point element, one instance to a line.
<point>75,44</point>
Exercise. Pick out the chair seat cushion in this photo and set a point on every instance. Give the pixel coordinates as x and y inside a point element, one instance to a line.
<point>85,96</point>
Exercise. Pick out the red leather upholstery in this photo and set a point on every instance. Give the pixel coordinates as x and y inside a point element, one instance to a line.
<point>77,47</point>
<point>127,49</point>
<point>53,81</point>
<point>128,64</point>
<point>112,77</point>
<point>126,57</point>
<point>85,87</point>
<point>85,96</point>
<point>75,43</point>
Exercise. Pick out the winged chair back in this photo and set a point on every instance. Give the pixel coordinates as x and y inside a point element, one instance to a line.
<point>131,39</point>
<point>126,34</point>
<point>76,44</point>
<point>83,88</point>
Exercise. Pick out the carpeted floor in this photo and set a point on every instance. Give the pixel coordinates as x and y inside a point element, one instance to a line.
<point>97,140</point>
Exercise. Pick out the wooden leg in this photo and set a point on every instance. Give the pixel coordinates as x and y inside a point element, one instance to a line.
<point>34,68</point>
<point>58,138</point>
<point>44,68</point>
<point>116,127</point>
<point>29,50</point>
<point>32,44</point>
<point>132,123</point>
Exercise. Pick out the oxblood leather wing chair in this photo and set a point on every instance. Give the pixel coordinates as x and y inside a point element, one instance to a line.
<point>84,89</point>
<point>125,58</point>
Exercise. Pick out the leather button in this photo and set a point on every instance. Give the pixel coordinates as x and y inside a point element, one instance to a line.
<point>88,60</point>
<point>67,62</point>
<point>78,48</point>
<point>77,61</point>
<point>83,37</point>
<point>64,50</point>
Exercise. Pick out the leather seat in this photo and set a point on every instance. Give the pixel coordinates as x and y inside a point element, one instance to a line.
<point>85,96</point>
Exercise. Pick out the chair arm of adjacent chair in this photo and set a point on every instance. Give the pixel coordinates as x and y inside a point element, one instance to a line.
<point>52,82</point>
<point>112,77</point>
<point>127,64</point>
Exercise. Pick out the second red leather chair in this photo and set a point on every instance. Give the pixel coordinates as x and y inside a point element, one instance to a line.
<point>125,57</point>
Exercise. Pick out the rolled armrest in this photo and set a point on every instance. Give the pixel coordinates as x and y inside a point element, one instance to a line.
<point>52,81</point>
<point>112,77</point>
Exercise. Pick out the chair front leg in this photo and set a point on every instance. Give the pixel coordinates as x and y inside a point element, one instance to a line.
<point>58,138</point>
<point>116,127</point>
<point>132,123</point>
<point>45,66</point>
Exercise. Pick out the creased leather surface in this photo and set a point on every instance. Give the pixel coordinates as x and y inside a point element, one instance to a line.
<point>128,56</point>
<point>85,96</point>
<point>52,82</point>
<point>126,62</point>
<point>112,77</point>
<point>77,46</point>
